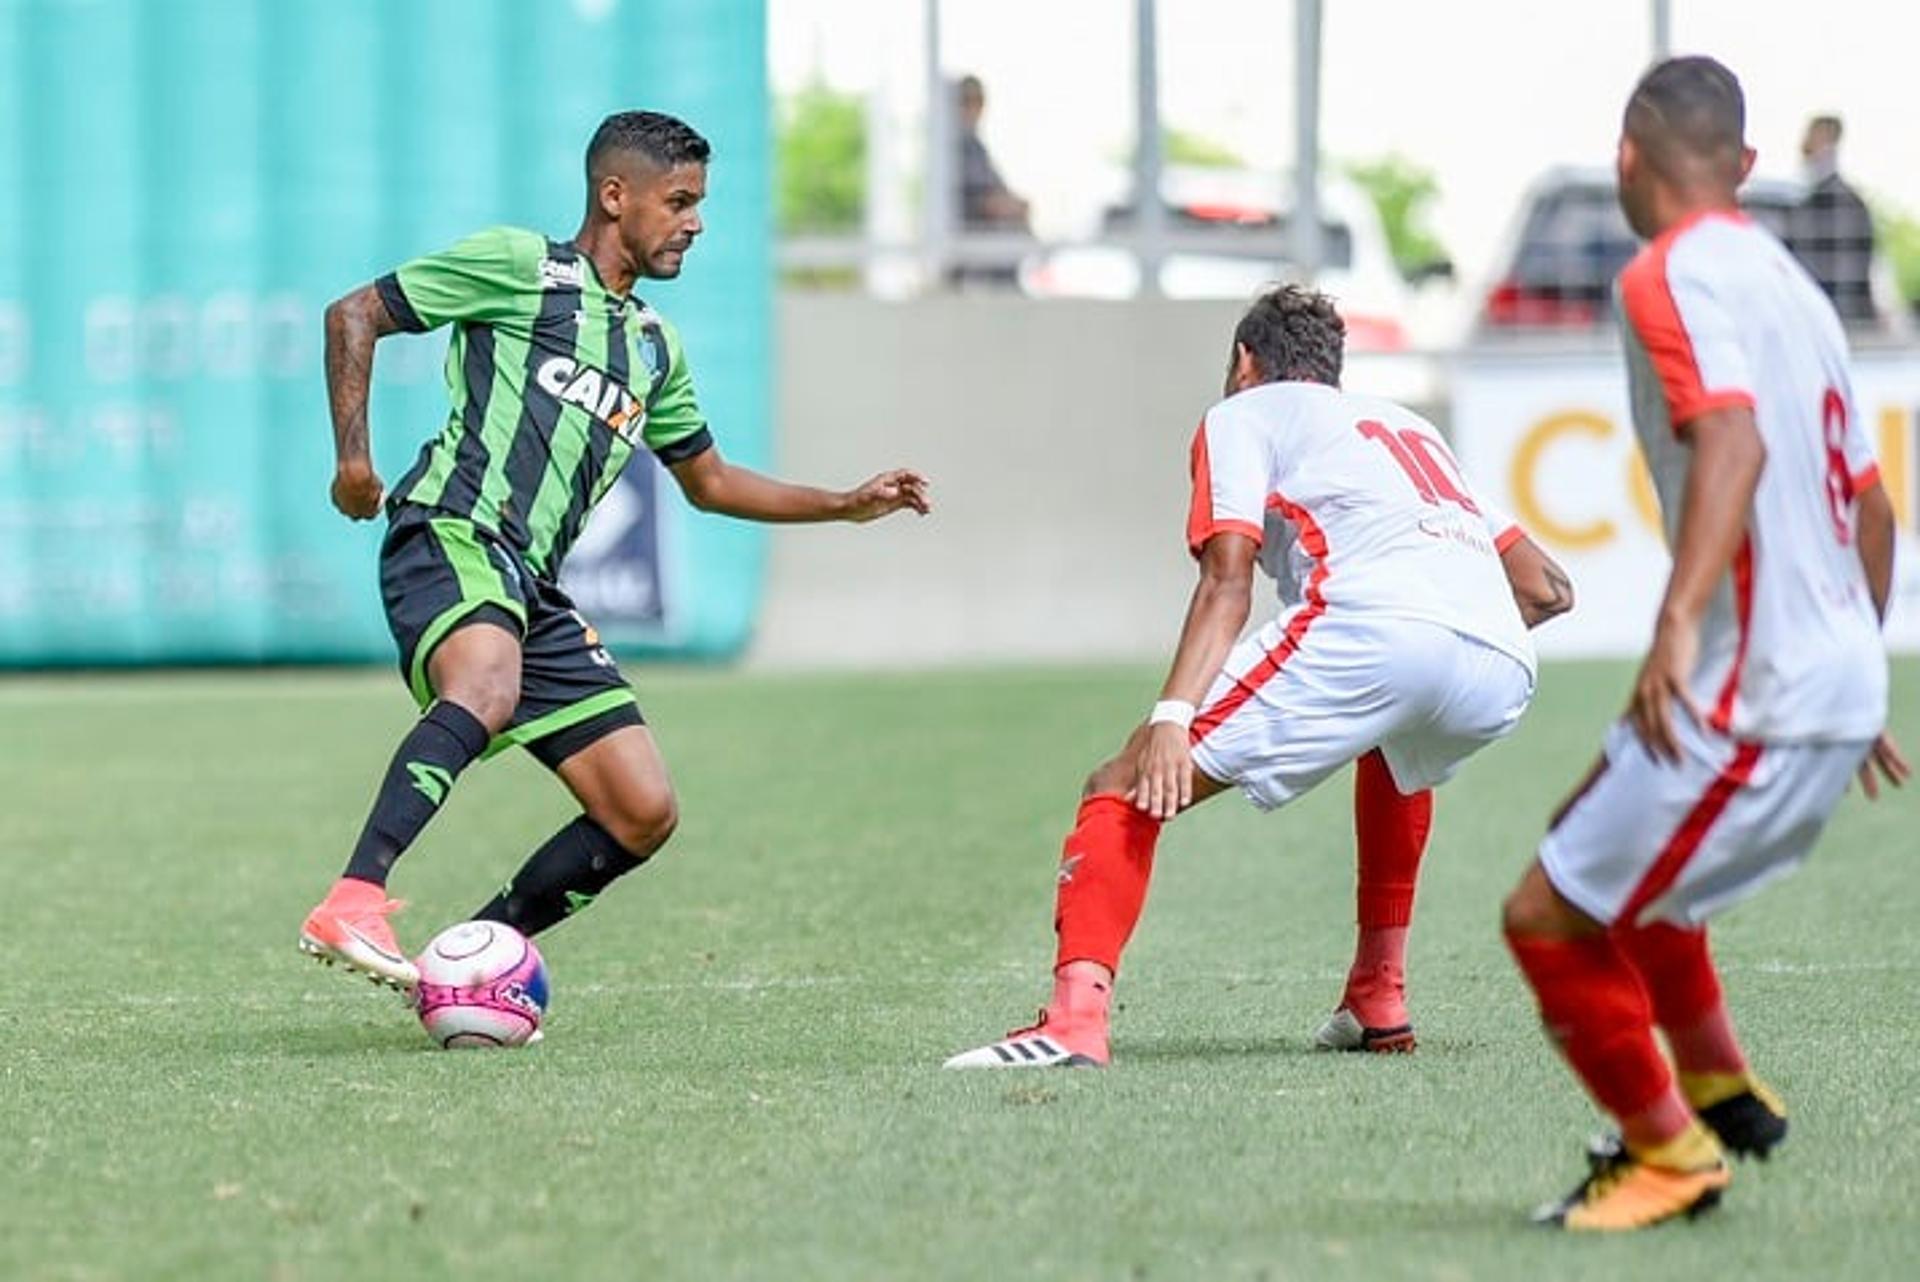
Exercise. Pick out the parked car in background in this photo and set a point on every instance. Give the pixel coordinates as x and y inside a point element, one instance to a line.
<point>1569,242</point>
<point>1228,237</point>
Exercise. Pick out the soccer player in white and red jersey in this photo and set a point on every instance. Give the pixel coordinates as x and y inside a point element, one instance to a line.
<point>1764,689</point>
<point>1405,647</point>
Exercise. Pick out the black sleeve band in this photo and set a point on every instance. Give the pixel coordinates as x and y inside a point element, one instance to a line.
<point>398,307</point>
<point>685,448</point>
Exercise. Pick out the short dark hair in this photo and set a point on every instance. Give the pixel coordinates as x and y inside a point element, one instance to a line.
<point>1827,124</point>
<point>1294,333</point>
<point>665,141</point>
<point>1689,109</point>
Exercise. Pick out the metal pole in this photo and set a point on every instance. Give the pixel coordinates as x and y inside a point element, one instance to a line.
<point>1304,225</point>
<point>1151,223</point>
<point>937,201</point>
<point>1662,30</point>
<point>876,227</point>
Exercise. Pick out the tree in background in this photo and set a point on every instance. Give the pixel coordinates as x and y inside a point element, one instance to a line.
<point>1400,190</point>
<point>1179,147</point>
<point>821,154</point>
<point>1899,235</point>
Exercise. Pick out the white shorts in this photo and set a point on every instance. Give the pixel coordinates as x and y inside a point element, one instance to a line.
<point>1645,840</point>
<point>1287,711</point>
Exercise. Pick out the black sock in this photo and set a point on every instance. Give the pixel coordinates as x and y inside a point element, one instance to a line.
<point>561,878</point>
<point>440,745</point>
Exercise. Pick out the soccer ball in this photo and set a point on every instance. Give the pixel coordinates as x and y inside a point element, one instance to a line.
<point>482,983</point>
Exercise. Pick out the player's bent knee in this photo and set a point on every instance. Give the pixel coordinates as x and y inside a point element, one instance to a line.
<point>490,696</point>
<point>487,687</point>
<point>1517,916</point>
<point>642,824</point>
<point>478,667</point>
<point>1534,908</point>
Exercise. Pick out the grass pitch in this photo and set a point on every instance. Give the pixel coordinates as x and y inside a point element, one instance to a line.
<point>741,1075</point>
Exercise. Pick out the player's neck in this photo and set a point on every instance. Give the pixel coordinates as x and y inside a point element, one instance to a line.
<point>1683,204</point>
<point>600,243</point>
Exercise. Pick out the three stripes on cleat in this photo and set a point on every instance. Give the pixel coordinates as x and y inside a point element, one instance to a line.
<point>1036,1051</point>
<point>1031,1049</point>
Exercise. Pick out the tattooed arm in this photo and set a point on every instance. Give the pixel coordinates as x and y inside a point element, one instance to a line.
<point>1541,588</point>
<point>353,324</point>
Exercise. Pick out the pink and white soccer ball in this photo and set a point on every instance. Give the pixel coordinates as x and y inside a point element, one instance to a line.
<point>482,983</point>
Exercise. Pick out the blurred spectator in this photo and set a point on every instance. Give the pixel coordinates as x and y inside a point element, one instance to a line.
<point>1831,231</point>
<point>986,204</point>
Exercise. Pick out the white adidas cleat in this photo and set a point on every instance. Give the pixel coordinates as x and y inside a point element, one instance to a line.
<point>1024,1050</point>
<point>1343,1031</point>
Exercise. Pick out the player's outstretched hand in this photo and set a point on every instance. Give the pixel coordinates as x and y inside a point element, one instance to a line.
<point>1885,757</point>
<point>1163,781</point>
<point>357,491</point>
<point>888,492</point>
<point>1662,684</point>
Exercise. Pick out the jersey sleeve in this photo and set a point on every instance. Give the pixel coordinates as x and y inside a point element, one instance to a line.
<point>1863,468</point>
<point>1229,472</point>
<point>1500,525</point>
<point>675,428</point>
<point>483,277</point>
<point>1689,334</point>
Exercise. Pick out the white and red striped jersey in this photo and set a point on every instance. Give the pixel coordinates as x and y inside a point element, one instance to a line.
<point>1718,313</point>
<point>1357,505</point>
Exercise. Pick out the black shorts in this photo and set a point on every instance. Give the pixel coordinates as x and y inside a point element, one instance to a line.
<point>439,572</point>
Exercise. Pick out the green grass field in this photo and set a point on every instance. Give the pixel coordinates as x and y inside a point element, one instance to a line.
<point>741,1075</point>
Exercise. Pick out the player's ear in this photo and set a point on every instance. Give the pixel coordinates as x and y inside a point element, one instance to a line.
<point>1747,155</point>
<point>1627,162</point>
<point>611,192</point>
<point>1246,369</point>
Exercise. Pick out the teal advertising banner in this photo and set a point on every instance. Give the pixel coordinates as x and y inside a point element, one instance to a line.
<point>185,185</point>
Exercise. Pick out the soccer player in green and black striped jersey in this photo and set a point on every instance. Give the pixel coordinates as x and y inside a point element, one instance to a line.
<point>557,374</point>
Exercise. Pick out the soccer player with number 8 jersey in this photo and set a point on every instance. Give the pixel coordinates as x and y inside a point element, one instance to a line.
<point>1765,687</point>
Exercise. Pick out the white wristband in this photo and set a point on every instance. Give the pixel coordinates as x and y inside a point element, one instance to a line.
<point>1172,711</point>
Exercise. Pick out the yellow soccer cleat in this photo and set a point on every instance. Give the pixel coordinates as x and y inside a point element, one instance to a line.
<point>1622,1193</point>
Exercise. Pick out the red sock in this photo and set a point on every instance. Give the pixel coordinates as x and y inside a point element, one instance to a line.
<point>1080,1000</point>
<point>1688,1004</point>
<point>1390,830</point>
<point>1104,867</point>
<point>1596,1010</point>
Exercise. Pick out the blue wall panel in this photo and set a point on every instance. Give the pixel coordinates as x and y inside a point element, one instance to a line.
<point>184,184</point>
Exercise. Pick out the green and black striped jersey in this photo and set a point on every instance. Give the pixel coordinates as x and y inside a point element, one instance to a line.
<point>554,381</point>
